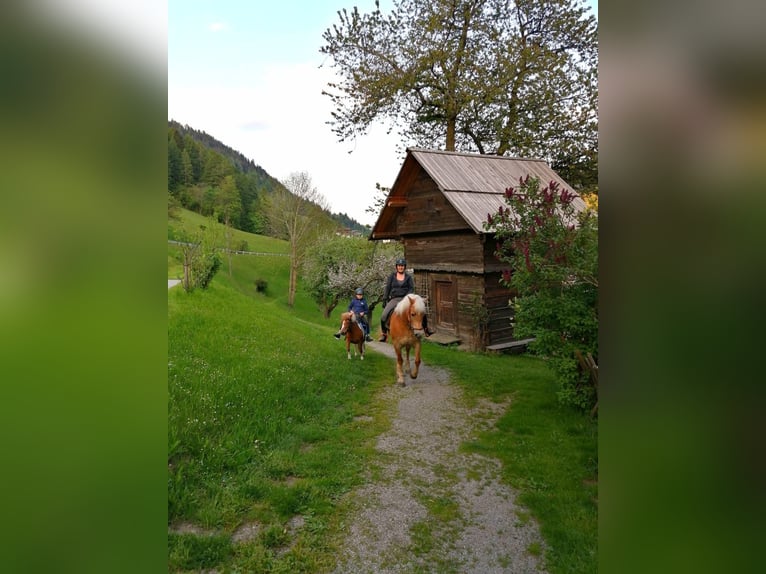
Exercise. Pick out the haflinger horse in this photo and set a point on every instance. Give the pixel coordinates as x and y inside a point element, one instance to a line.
<point>405,332</point>
<point>353,332</point>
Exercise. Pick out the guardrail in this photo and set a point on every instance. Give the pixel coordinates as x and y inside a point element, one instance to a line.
<point>233,251</point>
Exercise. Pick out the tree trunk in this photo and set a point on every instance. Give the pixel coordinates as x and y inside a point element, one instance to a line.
<point>228,242</point>
<point>450,143</point>
<point>187,276</point>
<point>293,281</point>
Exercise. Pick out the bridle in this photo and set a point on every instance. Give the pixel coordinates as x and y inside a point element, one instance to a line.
<point>346,324</point>
<point>409,319</point>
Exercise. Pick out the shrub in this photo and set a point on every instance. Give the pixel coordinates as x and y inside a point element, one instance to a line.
<point>204,269</point>
<point>199,256</point>
<point>552,252</point>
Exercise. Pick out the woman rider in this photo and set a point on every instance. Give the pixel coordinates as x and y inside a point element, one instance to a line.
<point>398,285</point>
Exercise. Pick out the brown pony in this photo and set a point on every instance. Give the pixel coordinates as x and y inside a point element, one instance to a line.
<point>405,331</point>
<point>353,332</point>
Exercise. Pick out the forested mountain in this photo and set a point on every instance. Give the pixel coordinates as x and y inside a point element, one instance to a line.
<point>203,173</point>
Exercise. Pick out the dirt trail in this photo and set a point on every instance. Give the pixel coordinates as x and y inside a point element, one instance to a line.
<point>427,506</point>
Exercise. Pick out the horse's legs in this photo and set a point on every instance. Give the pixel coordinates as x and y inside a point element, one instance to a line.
<point>407,353</point>
<point>399,371</point>
<point>414,373</point>
<point>348,346</point>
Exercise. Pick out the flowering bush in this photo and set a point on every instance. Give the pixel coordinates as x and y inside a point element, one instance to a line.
<point>551,249</point>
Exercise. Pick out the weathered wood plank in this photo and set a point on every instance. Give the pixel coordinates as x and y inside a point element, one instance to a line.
<point>510,345</point>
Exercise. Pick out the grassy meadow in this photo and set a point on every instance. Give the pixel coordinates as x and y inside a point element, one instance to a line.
<point>270,425</point>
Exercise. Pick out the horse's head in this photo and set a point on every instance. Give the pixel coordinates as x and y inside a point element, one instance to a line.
<point>345,321</point>
<point>414,310</point>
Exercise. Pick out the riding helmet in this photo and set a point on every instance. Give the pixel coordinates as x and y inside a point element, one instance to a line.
<point>359,291</point>
<point>401,261</point>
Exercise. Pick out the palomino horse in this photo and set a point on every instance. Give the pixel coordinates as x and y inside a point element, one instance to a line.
<point>353,332</point>
<point>405,331</point>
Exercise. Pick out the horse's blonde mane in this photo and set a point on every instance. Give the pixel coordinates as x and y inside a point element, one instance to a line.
<point>403,305</point>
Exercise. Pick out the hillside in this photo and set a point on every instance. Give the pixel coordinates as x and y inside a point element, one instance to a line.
<point>198,161</point>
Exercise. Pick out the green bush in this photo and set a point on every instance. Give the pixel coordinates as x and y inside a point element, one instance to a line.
<point>204,269</point>
<point>552,252</point>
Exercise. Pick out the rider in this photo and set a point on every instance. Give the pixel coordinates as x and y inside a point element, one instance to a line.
<point>398,285</point>
<point>359,307</point>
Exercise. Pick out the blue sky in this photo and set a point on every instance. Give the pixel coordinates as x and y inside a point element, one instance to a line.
<point>248,73</point>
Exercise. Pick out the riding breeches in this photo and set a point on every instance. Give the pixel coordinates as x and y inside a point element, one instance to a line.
<point>389,308</point>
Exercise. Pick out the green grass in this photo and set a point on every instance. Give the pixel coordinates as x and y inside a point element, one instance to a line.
<point>191,222</point>
<point>549,452</point>
<point>263,426</point>
<point>261,423</point>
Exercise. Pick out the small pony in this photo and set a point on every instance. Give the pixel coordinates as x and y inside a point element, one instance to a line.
<point>405,331</point>
<point>353,332</point>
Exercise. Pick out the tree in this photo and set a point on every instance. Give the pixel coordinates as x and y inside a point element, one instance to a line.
<point>187,173</point>
<point>491,76</point>
<point>337,265</point>
<point>216,167</point>
<point>174,207</point>
<point>174,164</point>
<point>193,149</point>
<point>228,207</point>
<point>552,252</point>
<point>369,274</point>
<point>199,257</point>
<point>297,213</point>
<point>378,200</point>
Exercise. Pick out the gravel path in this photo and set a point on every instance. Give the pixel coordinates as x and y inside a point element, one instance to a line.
<point>427,506</point>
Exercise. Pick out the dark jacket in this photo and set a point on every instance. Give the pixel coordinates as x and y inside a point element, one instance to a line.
<point>396,289</point>
<point>359,306</point>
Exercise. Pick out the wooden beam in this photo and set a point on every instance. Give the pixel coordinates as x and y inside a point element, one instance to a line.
<point>510,345</point>
<point>384,235</point>
<point>396,202</point>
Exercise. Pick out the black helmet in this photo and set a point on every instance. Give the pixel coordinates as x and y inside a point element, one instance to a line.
<point>359,291</point>
<point>401,261</point>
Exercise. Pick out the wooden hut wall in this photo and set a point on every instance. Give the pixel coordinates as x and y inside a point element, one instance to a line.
<point>471,309</point>
<point>491,262</point>
<point>428,210</point>
<point>497,300</point>
<point>452,252</point>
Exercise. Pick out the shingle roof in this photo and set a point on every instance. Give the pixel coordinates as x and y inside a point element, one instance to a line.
<point>475,184</point>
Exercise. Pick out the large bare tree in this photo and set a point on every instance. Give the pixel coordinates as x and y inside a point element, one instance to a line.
<point>297,213</point>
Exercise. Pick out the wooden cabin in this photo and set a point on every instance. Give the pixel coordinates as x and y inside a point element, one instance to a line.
<point>436,208</point>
